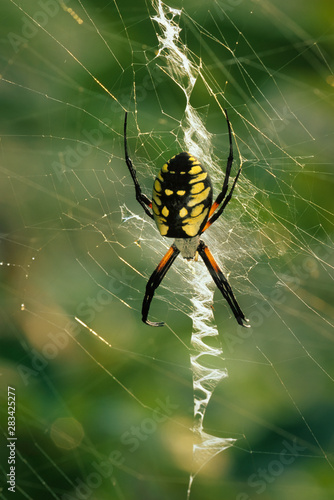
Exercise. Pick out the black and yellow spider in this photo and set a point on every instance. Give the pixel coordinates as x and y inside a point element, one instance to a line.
<point>182,209</point>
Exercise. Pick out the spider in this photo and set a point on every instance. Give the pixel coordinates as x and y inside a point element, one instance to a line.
<point>182,209</point>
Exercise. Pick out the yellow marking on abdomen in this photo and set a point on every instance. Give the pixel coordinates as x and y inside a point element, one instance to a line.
<point>165,211</point>
<point>183,212</point>
<point>163,229</point>
<point>156,198</point>
<point>199,198</point>
<point>199,177</point>
<point>196,168</point>
<point>197,210</point>
<point>168,192</point>
<point>161,224</point>
<point>192,225</point>
<point>164,168</point>
<point>181,192</point>
<point>190,230</point>
<point>155,209</point>
<point>157,185</point>
<point>197,188</point>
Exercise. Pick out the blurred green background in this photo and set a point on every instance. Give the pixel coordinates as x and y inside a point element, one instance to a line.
<point>114,421</point>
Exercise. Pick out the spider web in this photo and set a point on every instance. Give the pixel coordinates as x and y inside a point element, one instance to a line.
<point>107,407</point>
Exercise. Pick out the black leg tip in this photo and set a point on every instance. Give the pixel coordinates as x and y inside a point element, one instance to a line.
<point>153,323</point>
<point>243,321</point>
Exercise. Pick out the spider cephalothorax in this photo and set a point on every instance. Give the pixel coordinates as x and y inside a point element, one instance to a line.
<point>182,209</point>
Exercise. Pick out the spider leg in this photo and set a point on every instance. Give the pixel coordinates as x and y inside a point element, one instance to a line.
<point>140,197</point>
<point>155,280</point>
<point>223,192</point>
<point>222,208</point>
<point>214,213</point>
<point>221,282</point>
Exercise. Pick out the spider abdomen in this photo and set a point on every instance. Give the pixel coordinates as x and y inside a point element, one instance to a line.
<point>182,197</point>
